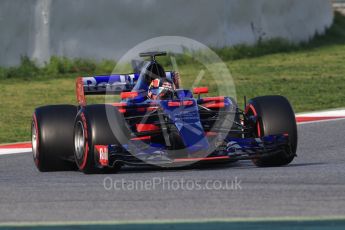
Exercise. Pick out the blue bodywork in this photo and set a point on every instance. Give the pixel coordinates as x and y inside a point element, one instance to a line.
<point>186,119</point>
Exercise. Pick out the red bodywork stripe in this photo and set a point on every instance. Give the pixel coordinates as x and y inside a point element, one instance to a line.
<point>80,92</point>
<point>214,105</point>
<point>146,109</point>
<point>125,95</point>
<point>179,103</point>
<point>146,127</point>
<point>200,90</point>
<point>174,104</point>
<point>144,138</point>
<point>208,99</point>
<point>120,106</point>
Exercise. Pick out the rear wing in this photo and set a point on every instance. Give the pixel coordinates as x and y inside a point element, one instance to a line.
<point>107,84</point>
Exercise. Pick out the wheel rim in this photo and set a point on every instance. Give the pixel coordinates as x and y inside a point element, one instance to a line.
<point>79,141</point>
<point>34,139</point>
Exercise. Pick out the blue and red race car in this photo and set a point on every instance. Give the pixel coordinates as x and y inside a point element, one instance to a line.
<point>176,127</point>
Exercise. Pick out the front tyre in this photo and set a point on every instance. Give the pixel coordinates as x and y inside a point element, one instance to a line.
<point>274,116</point>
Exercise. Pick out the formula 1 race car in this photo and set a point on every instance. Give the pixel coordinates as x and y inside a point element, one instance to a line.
<point>171,129</point>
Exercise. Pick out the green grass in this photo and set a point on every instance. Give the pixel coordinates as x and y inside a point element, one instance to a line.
<point>311,80</point>
<point>310,75</point>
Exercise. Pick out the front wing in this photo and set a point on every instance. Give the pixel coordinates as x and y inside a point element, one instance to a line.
<point>231,149</point>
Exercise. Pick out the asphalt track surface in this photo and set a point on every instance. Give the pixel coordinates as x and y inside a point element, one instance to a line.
<point>312,186</point>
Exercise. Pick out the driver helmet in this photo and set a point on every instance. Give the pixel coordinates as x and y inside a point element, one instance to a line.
<point>161,88</point>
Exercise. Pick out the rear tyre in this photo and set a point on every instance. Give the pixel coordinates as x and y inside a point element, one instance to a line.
<point>275,116</point>
<point>92,127</point>
<point>52,137</point>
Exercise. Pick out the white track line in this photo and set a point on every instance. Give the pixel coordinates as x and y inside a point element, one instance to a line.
<point>14,151</point>
<point>327,113</point>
